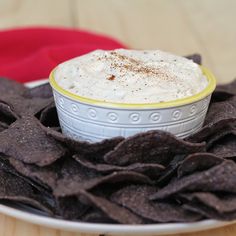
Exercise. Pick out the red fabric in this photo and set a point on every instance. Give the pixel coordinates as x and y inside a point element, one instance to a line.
<point>31,53</point>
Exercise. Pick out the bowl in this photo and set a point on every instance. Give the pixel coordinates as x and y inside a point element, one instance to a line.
<point>92,120</point>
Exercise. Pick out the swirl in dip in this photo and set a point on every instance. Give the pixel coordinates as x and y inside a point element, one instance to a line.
<point>131,76</point>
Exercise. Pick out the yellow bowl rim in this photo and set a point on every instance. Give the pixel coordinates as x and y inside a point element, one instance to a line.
<point>175,103</point>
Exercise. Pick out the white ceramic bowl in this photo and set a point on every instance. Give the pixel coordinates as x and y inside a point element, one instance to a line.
<point>93,120</point>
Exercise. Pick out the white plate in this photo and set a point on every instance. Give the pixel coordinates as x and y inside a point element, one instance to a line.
<point>33,216</point>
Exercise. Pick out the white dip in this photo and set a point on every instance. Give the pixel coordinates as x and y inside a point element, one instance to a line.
<point>131,76</point>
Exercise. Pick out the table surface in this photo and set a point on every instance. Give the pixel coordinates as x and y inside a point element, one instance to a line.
<point>178,26</point>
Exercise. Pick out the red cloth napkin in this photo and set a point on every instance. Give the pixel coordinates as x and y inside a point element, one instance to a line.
<point>31,53</point>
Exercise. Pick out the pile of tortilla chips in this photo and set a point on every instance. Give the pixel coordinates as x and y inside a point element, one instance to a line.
<point>151,177</point>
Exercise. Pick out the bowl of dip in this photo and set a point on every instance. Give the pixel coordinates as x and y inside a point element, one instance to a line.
<point>105,94</point>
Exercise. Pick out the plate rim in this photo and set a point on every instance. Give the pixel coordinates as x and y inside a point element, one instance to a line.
<point>114,229</point>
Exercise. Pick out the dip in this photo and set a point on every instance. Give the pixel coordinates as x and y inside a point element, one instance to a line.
<point>131,76</point>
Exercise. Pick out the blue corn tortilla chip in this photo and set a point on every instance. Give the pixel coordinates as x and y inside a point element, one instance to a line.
<point>41,91</point>
<point>64,170</point>
<point>197,58</point>
<point>224,203</point>
<point>66,177</point>
<point>213,139</point>
<point>16,189</point>
<point>25,106</point>
<point>135,198</point>
<point>8,86</point>
<point>221,177</point>
<point>45,177</point>
<point>25,140</point>
<point>225,147</point>
<point>220,116</point>
<point>13,94</point>
<point>150,147</point>
<point>198,162</point>
<point>6,166</point>
<point>152,170</point>
<point>228,88</point>
<point>68,187</point>
<point>92,151</point>
<point>208,212</point>
<point>111,210</point>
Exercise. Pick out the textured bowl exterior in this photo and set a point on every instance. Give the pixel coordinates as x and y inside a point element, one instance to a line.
<point>94,123</point>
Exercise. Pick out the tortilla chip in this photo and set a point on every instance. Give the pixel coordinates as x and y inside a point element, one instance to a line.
<point>25,106</point>
<point>45,177</point>
<point>150,147</point>
<point>208,212</point>
<point>220,116</point>
<point>221,177</point>
<point>93,151</point>
<point>197,58</point>
<point>7,167</point>
<point>224,92</point>
<point>63,170</point>
<point>229,88</point>
<point>213,139</point>
<point>152,170</point>
<point>70,187</point>
<point>113,211</point>
<point>8,86</point>
<point>225,203</point>
<point>41,91</point>
<point>25,140</point>
<point>15,189</point>
<point>198,162</point>
<point>225,147</point>
<point>67,176</point>
<point>135,198</point>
